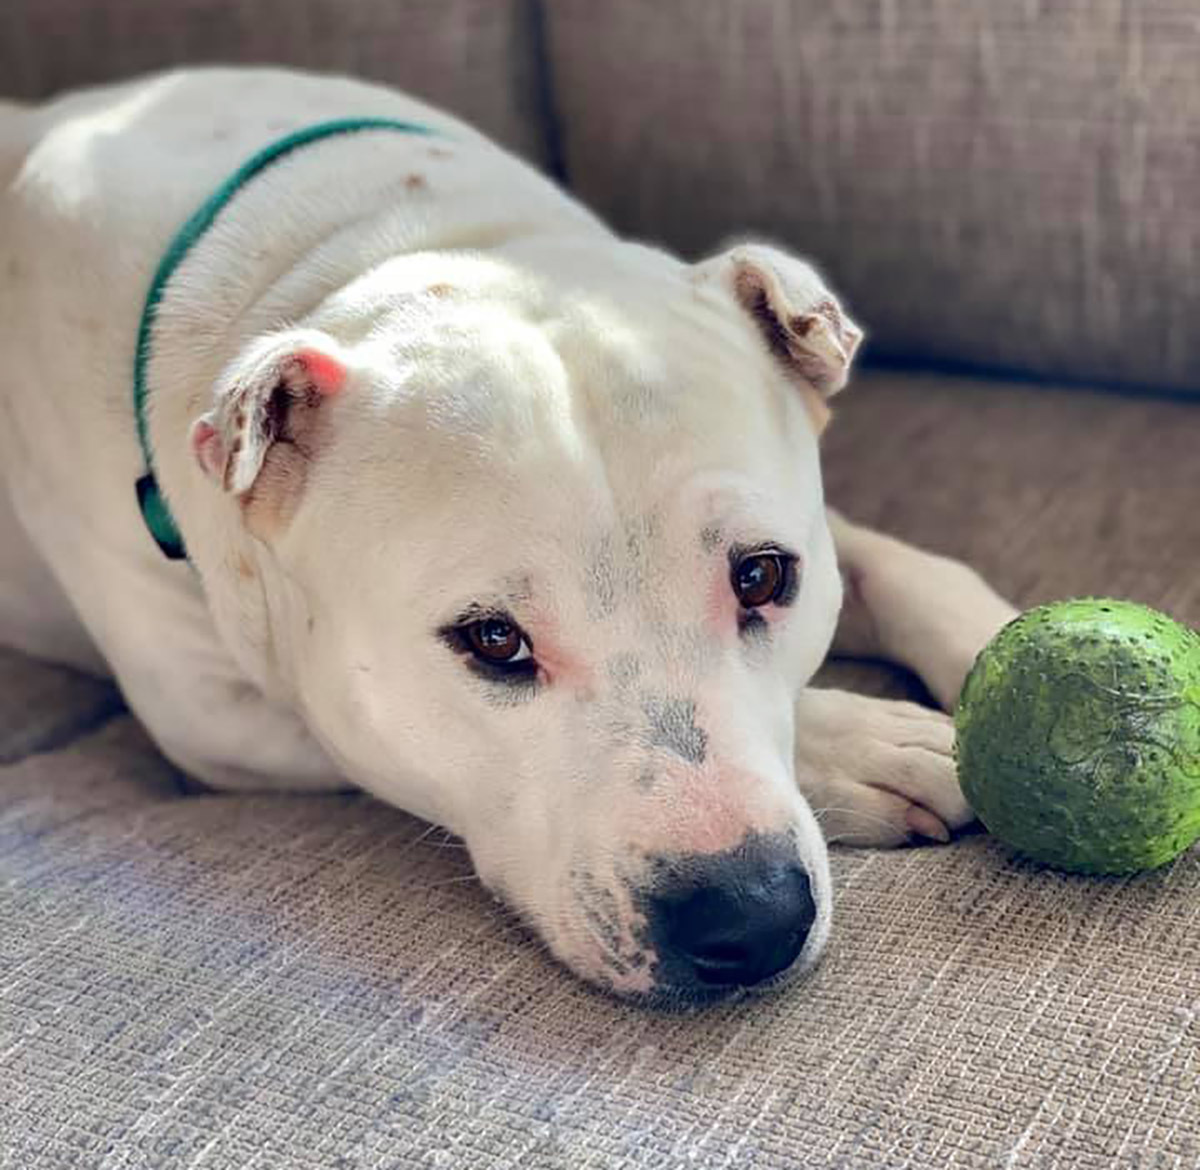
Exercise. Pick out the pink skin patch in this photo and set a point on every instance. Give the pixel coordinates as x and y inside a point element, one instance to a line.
<point>558,666</point>
<point>721,608</point>
<point>208,448</point>
<point>326,373</point>
<point>706,809</point>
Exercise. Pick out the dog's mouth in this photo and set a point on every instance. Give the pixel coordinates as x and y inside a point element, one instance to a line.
<point>702,931</point>
<point>685,999</point>
<point>618,958</point>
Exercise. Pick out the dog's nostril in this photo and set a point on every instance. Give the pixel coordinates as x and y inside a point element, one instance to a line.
<point>749,924</point>
<point>722,953</point>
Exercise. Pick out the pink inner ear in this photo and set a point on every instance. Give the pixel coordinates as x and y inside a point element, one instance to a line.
<point>327,373</point>
<point>207,447</point>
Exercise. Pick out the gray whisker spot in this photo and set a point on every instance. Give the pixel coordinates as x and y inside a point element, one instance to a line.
<point>505,696</point>
<point>624,670</point>
<point>755,638</point>
<point>641,536</point>
<point>600,581</point>
<point>619,564</point>
<point>602,915</point>
<point>673,726</point>
<point>605,930</point>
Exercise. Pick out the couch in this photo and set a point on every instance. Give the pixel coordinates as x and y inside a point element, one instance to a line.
<point>1005,194</point>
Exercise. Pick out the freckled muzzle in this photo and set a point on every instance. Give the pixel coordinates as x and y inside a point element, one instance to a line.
<point>724,921</point>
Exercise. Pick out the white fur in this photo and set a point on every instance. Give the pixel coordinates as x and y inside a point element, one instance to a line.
<point>535,414</point>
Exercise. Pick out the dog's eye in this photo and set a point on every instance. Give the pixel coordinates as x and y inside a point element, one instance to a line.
<point>764,578</point>
<point>494,648</point>
<point>496,641</point>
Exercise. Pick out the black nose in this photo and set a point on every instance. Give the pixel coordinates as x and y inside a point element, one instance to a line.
<point>744,921</point>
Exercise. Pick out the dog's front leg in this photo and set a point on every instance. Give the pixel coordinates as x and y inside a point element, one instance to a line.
<point>877,771</point>
<point>204,714</point>
<point>232,737</point>
<point>929,613</point>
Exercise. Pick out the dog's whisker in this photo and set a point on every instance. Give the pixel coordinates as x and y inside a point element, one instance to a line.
<point>421,836</point>
<point>463,878</point>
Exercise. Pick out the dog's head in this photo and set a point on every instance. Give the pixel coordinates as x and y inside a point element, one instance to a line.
<point>545,559</point>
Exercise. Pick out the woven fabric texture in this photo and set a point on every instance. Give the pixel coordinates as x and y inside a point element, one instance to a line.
<point>207,982</point>
<point>1008,185</point>
<point>474,57</point>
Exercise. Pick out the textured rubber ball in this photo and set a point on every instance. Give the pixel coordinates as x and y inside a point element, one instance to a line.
<point>1078,736</point>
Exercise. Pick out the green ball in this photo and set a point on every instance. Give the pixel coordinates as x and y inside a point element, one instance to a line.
<point>1078,736</point>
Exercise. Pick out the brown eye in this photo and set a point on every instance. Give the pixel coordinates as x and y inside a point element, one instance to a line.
<point>763,579</point>
<point>496,641</point>
<point>494,648</point>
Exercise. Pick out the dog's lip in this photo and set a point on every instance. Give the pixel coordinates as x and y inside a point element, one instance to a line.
<point>692,998</point>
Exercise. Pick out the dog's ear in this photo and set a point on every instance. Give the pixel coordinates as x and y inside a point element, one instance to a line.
<point>799,318</point>
<point>266,425</point>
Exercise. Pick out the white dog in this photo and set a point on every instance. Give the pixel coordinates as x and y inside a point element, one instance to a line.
<point>511,522</point>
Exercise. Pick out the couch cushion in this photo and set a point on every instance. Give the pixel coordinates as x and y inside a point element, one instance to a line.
<point>43,706</point>
<point>218,982</point>
<point>999,184</point>
<point>475,57</point>
<point>1048,492</point>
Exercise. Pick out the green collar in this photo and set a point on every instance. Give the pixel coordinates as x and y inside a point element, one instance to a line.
<point>151,503</point>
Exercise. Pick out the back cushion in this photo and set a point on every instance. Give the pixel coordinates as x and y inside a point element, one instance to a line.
<point>1004,183</point>
<point>474,57</point>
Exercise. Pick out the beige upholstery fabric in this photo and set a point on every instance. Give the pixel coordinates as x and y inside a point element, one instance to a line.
<point>475,57</point>
<point>220,983</point>
<point>1050,493</point>
<point>1005,184</point>
<point>42,707</point>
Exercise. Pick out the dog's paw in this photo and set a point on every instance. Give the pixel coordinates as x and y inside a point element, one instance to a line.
<point>876,771</point>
